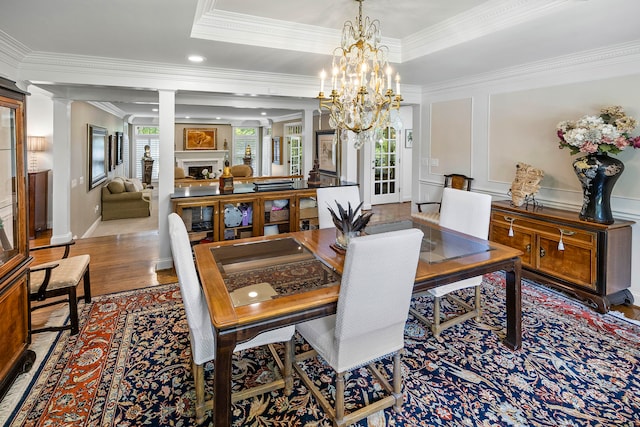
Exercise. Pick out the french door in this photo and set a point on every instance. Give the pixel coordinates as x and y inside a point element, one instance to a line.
<point>385,173</point>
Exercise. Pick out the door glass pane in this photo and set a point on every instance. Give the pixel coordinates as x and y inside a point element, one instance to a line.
<point>8,196</point>
<point>385,162</point>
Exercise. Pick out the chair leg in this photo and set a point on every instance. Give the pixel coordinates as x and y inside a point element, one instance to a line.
<point>73,310</point>
<point>288,363</point>
<point>478,303</point>
<point>435,328</point>
<point>87,286</point>
<point>339,420</point>
<point>198,379</point>
<point>397,382</point>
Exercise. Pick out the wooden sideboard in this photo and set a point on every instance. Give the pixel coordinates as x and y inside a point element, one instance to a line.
<point>215,217</point>
<point>589,261</point>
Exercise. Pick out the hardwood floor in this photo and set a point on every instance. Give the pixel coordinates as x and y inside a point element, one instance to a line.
<point>127,261</point>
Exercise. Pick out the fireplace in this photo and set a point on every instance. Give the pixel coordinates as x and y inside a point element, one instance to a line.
<point>193,165</point>
<point>196,171</point>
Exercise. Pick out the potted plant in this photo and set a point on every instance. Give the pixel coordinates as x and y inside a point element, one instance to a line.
<point>347,224</point>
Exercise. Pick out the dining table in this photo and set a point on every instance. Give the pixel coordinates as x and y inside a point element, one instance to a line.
<point>262,283</point>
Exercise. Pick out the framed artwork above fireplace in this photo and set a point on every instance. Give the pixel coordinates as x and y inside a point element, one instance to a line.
<point>199,139</point>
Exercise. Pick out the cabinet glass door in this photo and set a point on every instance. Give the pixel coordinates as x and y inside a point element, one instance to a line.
<point>9,226</point>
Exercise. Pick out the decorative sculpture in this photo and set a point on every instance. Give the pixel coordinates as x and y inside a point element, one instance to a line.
<point>314,175</point>
<point>525,185</point>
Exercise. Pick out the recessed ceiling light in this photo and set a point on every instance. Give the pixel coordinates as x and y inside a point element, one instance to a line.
<point>196,58</point>
<point>154,110</point>
<point>218,118</point>
<point>187,117</point>
<point>263,113</point>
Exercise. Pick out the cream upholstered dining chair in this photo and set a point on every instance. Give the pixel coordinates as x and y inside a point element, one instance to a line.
<point>59,278</point>
<point>201,331</point>
<point>328,196</point>
<point>453,180</point>
<point>373,306</point>
<point>470,213</point>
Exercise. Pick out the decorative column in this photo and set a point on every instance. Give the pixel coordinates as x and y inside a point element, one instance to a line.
<point>166,162</point>
<point>61,176</point>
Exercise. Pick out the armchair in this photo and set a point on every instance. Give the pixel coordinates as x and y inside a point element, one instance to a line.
<point>58,278</point>
<point>454,180</point>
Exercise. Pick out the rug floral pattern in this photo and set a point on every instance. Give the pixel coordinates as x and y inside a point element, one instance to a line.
<point>130,366</point>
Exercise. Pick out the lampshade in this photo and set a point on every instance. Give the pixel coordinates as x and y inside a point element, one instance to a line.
<point>36,143</point>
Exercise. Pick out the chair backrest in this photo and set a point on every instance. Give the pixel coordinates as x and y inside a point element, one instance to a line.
<point>328,196</point>
<point>375,292</point>
<point>458,181</point>
<point>203,341</point>
<point>241,171</point>
<point>466,211</point>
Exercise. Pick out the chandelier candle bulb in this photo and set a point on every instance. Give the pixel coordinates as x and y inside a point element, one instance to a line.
<point>398,84</point>
<point>323,75</point>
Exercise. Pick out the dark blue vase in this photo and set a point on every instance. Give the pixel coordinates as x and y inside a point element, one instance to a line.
<point>597,173</point>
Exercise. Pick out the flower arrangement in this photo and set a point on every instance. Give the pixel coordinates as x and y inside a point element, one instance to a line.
<point>606,133</point>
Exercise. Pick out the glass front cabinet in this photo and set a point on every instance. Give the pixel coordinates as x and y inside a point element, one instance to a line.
<point>15,357</point>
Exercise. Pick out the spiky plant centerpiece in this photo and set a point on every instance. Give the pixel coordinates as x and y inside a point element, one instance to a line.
<point>348,224</point>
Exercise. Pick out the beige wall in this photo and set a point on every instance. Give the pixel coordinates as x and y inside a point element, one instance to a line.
<point>82,200</point>
<point>523,128</point>
<point>451,137</point>
<point>514,121</point>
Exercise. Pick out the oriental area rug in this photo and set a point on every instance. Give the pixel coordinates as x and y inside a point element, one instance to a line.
<point>130,366</point>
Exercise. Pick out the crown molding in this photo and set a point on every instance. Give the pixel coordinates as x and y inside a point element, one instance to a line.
<point>12,52</point>
<point>482,20</point>
<point>620,59</point>
<point>108,108</point>
<point>44,67</point>
<point>231,27</point>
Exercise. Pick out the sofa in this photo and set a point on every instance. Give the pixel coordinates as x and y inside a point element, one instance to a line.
<point>125,198</point>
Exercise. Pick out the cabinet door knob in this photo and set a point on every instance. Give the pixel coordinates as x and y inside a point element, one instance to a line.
<point>542,252</point>
<point>528,248</point>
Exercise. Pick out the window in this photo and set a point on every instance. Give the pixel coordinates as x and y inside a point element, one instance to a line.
<point>147,135</point>
<point>243,138</point>
<point>293,139</point>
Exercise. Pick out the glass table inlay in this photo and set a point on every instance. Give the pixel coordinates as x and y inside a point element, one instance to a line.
<point>259,271</point>
<point>438,245</point>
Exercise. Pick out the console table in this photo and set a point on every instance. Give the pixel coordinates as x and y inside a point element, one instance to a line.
<point>589,261</point>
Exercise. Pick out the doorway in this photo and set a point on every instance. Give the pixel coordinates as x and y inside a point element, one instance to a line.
<point>384,172</point>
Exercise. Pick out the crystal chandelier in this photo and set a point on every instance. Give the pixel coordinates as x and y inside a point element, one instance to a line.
<point>361,93</point>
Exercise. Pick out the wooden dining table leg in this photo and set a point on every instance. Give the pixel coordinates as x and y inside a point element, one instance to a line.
<point>513,339</point>
<point>225,345</point>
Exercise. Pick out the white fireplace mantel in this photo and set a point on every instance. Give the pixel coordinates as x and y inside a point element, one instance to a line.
<point>212,159</point>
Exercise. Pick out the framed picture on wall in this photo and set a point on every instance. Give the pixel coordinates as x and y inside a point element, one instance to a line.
<point>119,149</point>
<point>97,144</point>
<point>327,153</point>
<point>408,138</point>
<point>199,139</point>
